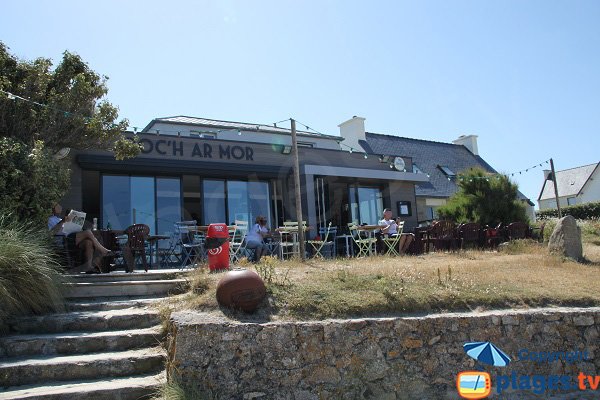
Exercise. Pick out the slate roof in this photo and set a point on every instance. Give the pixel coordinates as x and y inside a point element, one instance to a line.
<point>244,126</point>
<point>428,156</point>
<point>569,182</point>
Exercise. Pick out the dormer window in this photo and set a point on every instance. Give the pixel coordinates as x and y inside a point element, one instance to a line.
<point>416,170</point>
<point>449,173</point>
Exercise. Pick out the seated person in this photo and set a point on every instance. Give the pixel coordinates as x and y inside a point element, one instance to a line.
<point>83,240</point>
<point>391,228</point>
<point>255,238</point>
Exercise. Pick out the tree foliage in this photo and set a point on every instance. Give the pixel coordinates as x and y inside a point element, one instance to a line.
<point>485,199</point>
<point>66,109</point>
<point>71,110</point>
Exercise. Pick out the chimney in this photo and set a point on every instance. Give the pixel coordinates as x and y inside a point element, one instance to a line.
<point>546,174</point>
<point>469,141</point>
<point>352,131</point>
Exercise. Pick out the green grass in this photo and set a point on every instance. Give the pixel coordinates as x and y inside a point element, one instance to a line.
<point>30,278</point>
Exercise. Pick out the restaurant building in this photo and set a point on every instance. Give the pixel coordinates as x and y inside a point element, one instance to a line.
<point>219,171</point>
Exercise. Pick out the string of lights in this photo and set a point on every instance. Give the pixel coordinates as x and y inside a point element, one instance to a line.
<point>15,97</point>
<point>351,149</point>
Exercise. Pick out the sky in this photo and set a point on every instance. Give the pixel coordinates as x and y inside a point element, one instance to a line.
<point>522,75</point>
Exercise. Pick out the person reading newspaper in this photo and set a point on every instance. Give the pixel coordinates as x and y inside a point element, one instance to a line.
<point>71,227</point>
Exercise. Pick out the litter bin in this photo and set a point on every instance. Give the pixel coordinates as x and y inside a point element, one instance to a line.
<point>217,244</point>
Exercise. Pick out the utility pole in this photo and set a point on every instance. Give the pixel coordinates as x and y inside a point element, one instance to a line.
<point>297,190</point>
<point>555,188</point>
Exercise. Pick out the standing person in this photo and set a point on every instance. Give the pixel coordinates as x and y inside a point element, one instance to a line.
<point>255,238</point>
<point>84,240</point>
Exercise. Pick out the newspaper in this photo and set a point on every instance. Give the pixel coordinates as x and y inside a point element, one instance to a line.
<point>75,223</point>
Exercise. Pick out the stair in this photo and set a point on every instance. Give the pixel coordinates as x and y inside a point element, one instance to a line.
<point>106,346</point>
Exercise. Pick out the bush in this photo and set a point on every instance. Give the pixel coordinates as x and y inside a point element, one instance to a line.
<point>578,211</point>
<point>484,198</point>
<point>31,180</point>
<point>30,279</point>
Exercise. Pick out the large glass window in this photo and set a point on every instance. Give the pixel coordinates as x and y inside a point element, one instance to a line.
<point>116,201</point>
<point>228,201</point>
<point>155,202</point>
<point>142,201</point>
<point>214,201</point>
<point>168,203</point>
<point>366,205</point>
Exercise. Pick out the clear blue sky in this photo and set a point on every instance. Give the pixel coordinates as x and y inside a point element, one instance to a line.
<point>523,75</point>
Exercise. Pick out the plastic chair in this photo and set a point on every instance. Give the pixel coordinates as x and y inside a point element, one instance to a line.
<point>442,234</point>
<point>136,242</point>
<point>469,233</point>
<point>391,243</point>
<point>517,230</point>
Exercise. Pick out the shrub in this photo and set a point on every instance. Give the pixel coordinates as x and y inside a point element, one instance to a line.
<point>30,279</point>
<point>484,198</point>
<point>31,180</point>
<point>578,211</point>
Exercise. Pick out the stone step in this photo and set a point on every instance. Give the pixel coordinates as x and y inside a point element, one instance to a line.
<point>161,274</point>
<point>27,371</point>
<point>125,288</point>
<point>112,303</point>
<point>130,388</point>
<point>87,321</point>
<point>79,342</point>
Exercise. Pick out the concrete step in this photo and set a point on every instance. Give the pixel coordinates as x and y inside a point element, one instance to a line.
<point>125,288</point>
<point>161,274</point>
<point>88,321</point>
<point>79,342</point>
<point>113,303</point>
<point>27,371</point>
<point>131,388</point>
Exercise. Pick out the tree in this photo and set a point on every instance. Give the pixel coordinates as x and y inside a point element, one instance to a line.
<point>484,198</point>
<point>43,110</point>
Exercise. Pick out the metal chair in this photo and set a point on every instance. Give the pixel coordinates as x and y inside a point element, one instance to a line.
<point>289,246</point>
<point>189,243</point>
<point>136,243</point>
<point>237,242</point>
<point>366,245</point>
<point>317,245</point>
<point>391,243</point>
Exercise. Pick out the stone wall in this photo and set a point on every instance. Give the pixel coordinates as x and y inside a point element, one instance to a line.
<point>375,358</point>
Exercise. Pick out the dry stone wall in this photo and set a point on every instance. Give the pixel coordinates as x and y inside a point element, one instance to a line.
<point>380,358</point>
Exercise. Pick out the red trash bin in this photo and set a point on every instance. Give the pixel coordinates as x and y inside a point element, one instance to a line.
<point>217,244</point>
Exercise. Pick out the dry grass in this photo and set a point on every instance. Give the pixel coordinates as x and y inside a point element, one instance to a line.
<point>523,275</point>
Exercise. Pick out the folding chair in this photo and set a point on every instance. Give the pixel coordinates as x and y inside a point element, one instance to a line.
<point>289,246</point>
<point>318,245</point>
<point>391,243</point>
<point>365,245</point>
<point>236,243</point>
<point>189,242</point>
<point>167,254</point>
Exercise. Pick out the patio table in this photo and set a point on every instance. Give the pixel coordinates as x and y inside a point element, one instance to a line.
<point>153,241</point>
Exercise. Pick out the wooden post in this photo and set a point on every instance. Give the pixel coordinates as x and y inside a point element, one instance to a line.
<point>297,190</point>
<point>555,188</point>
